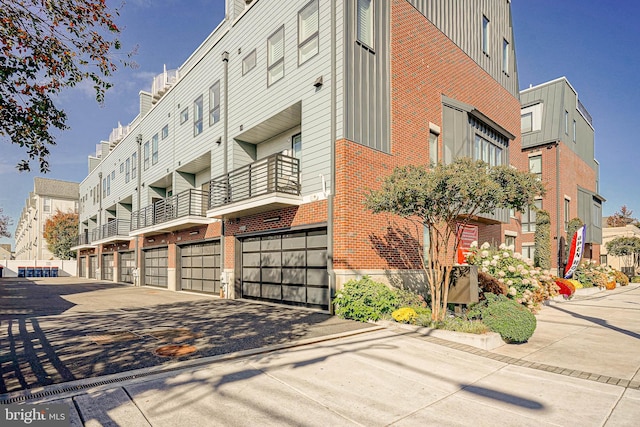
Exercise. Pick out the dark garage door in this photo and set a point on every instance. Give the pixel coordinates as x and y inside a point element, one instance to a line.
<point>127,264</point>
<point>93,266</point>
<point>82,267</point>
<point>107,267</point>
<point>287,268</point>
<point>200,267</point>
<point>155,267</point>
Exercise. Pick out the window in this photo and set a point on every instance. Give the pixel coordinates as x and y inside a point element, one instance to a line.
<point>526,122</point>
<point>46,204</point>
<point>127,176</point>
<point>108,185</point>
<point>365,22</point>
<point>249,62</point>
<point>154,149</point>
<point>566,122</point>
<point>184,115</point>
<point>505,56</point>
<point>197,116</point>
<point>597,214</point>
<point>486,151</point>
<point>535,165</point>
<point>146,155</point>
<point>75,206</point>
<point>529,217</point>
<point>121,167</point>
<point>113,174</point>
<point>567,212</point>
<point>574,131</point>
<point>485,35</point>
<point>134,165</point>
<point>510,241</point>
<point>528,252</point>
<point>308,35</point>
<point>165,131</point>
<point>296,146</point>
<point>104,187</point>
<point>433,148</point>
<point>275,56</point>
<point>214,103</point>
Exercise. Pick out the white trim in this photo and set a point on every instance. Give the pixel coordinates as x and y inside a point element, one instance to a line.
<point>511,233</point>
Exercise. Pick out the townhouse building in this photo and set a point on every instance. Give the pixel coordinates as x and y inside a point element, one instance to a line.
<point>245,171</point>
<point>558,140</point>
<point>48,197</point>
<point>626,264</point>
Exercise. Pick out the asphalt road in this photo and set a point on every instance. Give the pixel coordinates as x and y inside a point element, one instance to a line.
<point>63,329</point>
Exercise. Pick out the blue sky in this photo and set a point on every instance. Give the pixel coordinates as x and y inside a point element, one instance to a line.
<point>593,43</point>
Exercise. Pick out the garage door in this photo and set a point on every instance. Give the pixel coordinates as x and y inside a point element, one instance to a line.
<point>127,264</point>
<point>82,267</point>
<point>93,266</point>
<point>107,267</point>
<point>155,267</point>
<point>287,268</point>
<point>200,267</point>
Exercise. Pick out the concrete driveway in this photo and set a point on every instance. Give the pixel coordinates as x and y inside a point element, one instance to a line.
<point>55,330</point>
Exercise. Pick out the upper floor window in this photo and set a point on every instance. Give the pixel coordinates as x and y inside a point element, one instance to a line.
<point>308,32</point>
<point>104,187</point>
<point>567,213</point>
<point>154,149</point>
<point>526,122</point>
<point>134,165</point>
<point>529,217</point>
<point>566,122</point>
<point>184,115</point>
<point>275,56</point>
<point>46,204</point>
<point>127,175</point>
<point>108,184</point>
<point>146,155</point>
<point>165,131</point>
<point>249,62</point>
<point>214,103</point>
<point>597,214</point>
<point>574,131</point>
<point>296,146</point>
<point>486,151</point>
<point>365,22</point>
<point>433,148</point>
<point>485,35</point>
<point>535,165</point>
<point>505,56</point>
<point>197,116</point>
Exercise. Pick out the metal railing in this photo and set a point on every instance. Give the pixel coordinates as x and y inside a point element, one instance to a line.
<point>187,203</point>
<point>114,228</point>
<point>585,113</point>
<point>274,174</point>
<point>85,237</point>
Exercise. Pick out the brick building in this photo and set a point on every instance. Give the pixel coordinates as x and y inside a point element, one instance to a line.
<point>246,167</point>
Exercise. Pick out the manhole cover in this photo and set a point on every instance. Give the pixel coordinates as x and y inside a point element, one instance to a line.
<point>175,350</point>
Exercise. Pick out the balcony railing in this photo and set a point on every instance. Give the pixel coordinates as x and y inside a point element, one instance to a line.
<point>85,238</point>
<point>274,174</point>
<point>187,203</point>
<point>114,228</point>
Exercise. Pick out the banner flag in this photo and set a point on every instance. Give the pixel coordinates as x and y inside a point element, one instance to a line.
<point>575,252</point>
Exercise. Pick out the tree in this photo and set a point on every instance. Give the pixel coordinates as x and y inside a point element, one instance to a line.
<point>444,200</point>
<point>5,223</point>
<point>49,45</point>
<point>573,225</point>
<point>627,248</point>
<point>542,239</point>
<point>622,218</point>
<point>61,234</point>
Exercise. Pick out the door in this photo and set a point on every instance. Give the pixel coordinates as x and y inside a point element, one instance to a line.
<point>155,267</point>
<point>93,266</point>
<point>127,264</point>
<point>107,267</point>
<point>200,267</point>
<point>82,267</point>
<point>287,268</point>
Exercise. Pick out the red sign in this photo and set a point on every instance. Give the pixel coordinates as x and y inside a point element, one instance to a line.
<point>468,235</point>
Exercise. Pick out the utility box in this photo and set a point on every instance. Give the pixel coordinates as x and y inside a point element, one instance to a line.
<point>464,285</point>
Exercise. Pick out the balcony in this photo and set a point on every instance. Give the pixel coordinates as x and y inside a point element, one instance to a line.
<point>269,183</point>
<point>183,210</point>
<point>85,240</point>
<point>114,231</point>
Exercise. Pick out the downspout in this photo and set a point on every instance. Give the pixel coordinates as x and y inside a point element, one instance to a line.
<point>558,221</point>
<point>137,280</point>
<point>225,135</point>
<point>330,198</point>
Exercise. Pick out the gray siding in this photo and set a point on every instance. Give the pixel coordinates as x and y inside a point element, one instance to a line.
<point>366,102</point>
<point>588,213</point>
<point>461,21</point>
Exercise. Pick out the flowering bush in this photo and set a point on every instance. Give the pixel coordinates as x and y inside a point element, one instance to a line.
<point>590,274</point>
<point>566,287</point>
<point>621,277</point>
<point>405,315</point>
<point>525,284</point>
<point>575,283</point>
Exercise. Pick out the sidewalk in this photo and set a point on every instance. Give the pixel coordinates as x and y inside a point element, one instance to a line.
<point>391,377</point>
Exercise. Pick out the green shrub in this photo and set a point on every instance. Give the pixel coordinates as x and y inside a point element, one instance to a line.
<point>512,321</point>
<point>364,300</point>
<point>405,298</point>
<point>405,315</point>
<point>636,279</point>
<point>459,324</point>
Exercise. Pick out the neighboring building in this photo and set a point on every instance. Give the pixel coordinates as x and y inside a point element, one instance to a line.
<point>559,144</point>
<point>48,197</point>
<point>624,265</point>
<point>5,251</point>
<point>245,169</point>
